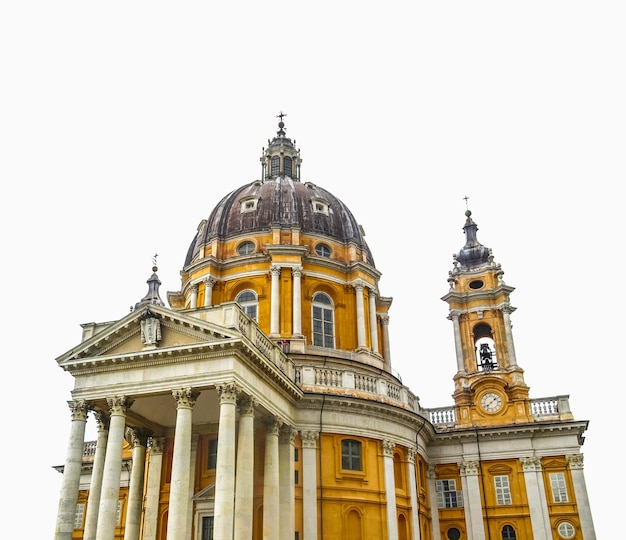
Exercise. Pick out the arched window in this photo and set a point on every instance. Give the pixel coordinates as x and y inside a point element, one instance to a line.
<point>275,165</point>
<point>287,166</point>
<point>249,303</point>
<point>323,321</point>
<point>508,533</point>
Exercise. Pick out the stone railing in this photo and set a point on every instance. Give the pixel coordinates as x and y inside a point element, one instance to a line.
<point>551,408</point>
<point>354,383</point>
<point>231,315</point>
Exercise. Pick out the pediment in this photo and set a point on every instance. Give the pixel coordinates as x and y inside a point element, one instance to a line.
<point>146,331</point>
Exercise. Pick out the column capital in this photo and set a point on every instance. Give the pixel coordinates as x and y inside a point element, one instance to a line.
<point>273,425</point>
<point>411,453</point>
<point>388,447</point>
<point>384,319</point>
<point>156,445</point>
<point>296,271</point>
<point>228,392</point>
<point>275,270</point>
<point>137,436</point>
<point>575,461</point>
<point>531,464</point>
<point>209,282</point>
<point>185,397</point>
<point>194,287</point>
<point>309,439</point>
<point>102,420</point>
<point>358,286</point>
<point>288,434</point>
<point>79,409</point>
<point>247,405</point>
<point>469,468</point>
<point>118,405</point>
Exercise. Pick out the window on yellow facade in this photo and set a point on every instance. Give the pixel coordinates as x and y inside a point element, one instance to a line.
<point>559,488</point>
<point>508,533</point>
<point>503,489</point>
<point>447,494</point>
<point>323,321</point>
<point>351,455</point>
<point>249,303</point>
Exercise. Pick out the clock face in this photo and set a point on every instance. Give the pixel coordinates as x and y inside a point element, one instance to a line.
<point>491,402</point>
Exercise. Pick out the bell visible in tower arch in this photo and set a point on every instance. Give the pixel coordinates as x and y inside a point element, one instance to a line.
<point>150,330</point>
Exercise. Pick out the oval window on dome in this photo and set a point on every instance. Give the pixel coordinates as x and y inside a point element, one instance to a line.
<point>476,284</point>
<point>246,248</point>
<point>323,250</point>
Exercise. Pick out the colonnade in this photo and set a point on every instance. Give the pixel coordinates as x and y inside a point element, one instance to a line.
<point>361,288</point>
<point>234,483</point>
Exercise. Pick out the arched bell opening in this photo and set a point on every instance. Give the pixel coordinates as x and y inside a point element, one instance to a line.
<point>484,347</point>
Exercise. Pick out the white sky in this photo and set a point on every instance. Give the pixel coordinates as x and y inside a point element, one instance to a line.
<point>122,125</point>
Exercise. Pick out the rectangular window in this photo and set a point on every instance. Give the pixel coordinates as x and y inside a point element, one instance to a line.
<point>118,514</point>
<point>503,489</point>
<point>212,461</point>
<point>296,455</point>
<point>207,528</point>
<point>351,455</point>
<point>447,494</point>
<point>79,515</point>
<point>296,476</point>
<point>559,489</point>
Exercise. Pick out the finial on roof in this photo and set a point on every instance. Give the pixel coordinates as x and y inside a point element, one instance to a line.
<point>281,124</point>
<point>152,297</point>
<point>473,254</point>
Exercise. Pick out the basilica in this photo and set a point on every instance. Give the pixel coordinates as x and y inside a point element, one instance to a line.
<point>259,401</point>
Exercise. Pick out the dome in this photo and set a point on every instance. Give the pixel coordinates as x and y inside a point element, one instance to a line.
<point>280,199</point>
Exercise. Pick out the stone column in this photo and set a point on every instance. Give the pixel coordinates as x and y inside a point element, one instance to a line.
<point>107,513</point>
<point>472,499</point>
<point>139,439</point>
<point>225,466</point>
<point>244,481</point>
<point>95,488</point>
<point>71,471</point>
<point>309,484</point>
<point>508,332</point>
<point>287,482</point>
<point>575,462</point>
<point>536,493</point>
<point>296,272</point>
<point>275,301</point>
<point>432,490</point>
<point>390,489</point>
<point>192,479</point>
<point>181,463</point>
<point>209,283</point>
<point>415,509</point>
<point>193,302</point>
<point>153,488</point>
<point>458,343</point>
<point>360,316</point>
<point>373,321</point>
<point>271,502</point>
<point>384,319</point>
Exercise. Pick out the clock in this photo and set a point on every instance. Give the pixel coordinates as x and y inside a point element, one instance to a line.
<point>491,402</point>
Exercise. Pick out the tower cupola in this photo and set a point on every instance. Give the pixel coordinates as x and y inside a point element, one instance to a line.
<point>473,254</point>
<point>281,157</point>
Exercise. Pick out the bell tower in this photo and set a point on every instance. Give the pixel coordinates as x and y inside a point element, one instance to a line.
<point>489,384</point>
